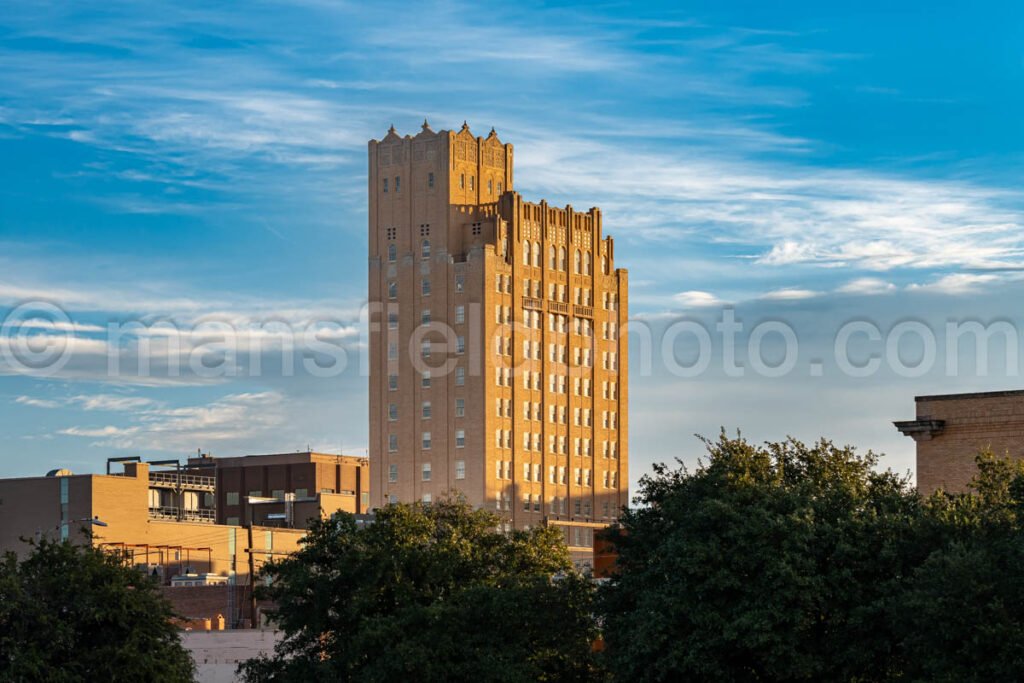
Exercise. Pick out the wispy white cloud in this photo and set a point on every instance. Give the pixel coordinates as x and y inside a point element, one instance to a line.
<point>697,299</point>
<point>867,285</point>
<point>37,402</point>
<point>957,283</point>
<point>231,419</point>
<point>789,294</point>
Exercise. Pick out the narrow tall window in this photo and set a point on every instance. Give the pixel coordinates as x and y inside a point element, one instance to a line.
<point>425,249</point>
<point>392,253</point>
<point>385,185</point>
<point>398,183</point>
<point>392,473</point>
<point>430,180</point>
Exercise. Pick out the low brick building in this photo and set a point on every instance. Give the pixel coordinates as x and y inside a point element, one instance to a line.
<point>210,516</point>
<point>950,430</point>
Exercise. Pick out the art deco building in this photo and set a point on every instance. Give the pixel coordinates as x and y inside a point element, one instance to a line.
<point>497,367</point>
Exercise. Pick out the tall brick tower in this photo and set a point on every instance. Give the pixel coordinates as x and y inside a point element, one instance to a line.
<point>497,367</point>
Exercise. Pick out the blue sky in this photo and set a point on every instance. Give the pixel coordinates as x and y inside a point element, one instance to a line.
<point>790,162</point>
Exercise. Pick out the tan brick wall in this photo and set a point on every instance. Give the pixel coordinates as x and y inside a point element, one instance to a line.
<point>973,423</point>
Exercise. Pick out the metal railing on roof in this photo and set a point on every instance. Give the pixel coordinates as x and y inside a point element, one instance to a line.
<point>188,481</point>
<point>171,513</point>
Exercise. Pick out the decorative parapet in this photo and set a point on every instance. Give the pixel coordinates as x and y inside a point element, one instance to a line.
<point>923,429</point>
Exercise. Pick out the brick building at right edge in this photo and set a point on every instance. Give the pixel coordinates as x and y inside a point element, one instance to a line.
<point>950,430</point>
<point>497,367</point>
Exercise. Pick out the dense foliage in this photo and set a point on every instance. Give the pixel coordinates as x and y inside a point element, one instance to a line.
<point>429,592</point>
<point>791,562</point>
<point>72,612</point>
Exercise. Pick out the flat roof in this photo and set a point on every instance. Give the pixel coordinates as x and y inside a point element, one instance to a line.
<point>287,458</point>
<point>980,394</point>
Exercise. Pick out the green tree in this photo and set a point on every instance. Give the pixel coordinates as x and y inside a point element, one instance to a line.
<point>765,564</point>
<point>960,615</point>
<point>429,592</point>
<point>72,612</point>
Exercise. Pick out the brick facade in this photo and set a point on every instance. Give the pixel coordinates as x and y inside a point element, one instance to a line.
<point>950,430</point>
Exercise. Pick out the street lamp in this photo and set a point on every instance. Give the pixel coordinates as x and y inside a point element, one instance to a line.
<point>95,521</point>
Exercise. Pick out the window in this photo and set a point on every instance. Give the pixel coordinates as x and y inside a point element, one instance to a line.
<point>392,443</point>
<point>392,321</point>
<point>553,257</point>
<point>425,317</point>
<point>499,187</point>
<point>392,290</point>
<point>426,287</point>
<point>426,410</point>
<point>385,185</point>
<point>460,376</point>
<point>460,438</point>
<point>586,263</point>
<point>460,469</point>
<point>392,473</point>
<point>460,314</point>
<point>430,180</point>
<point>425,379</point>
<point>472,182</point>
<point>392,411</point>
<point>460,344</point>
<point>426,471</point>
<point>426,499</point>
<point>460,407</point>
<point>426,442</point>
<point>392,253</point>
<point>578,262</point>
<point>526,253</point>
<point>462,182</point>
<point>392,499</point>
<point>398,183</point>
<point>425,249</point>
<point>392,351</point>
<point>232,498</point>
<point>561,258</point>
<point>256,493</point>
<point>425,349</point>
<point>392,382</point>
<point>460,282</point>
<point>490,187</point>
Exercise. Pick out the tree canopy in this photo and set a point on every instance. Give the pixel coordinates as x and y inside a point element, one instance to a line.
<point>429,592</point>
<point>795,562</point>
<point>72,612</point>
